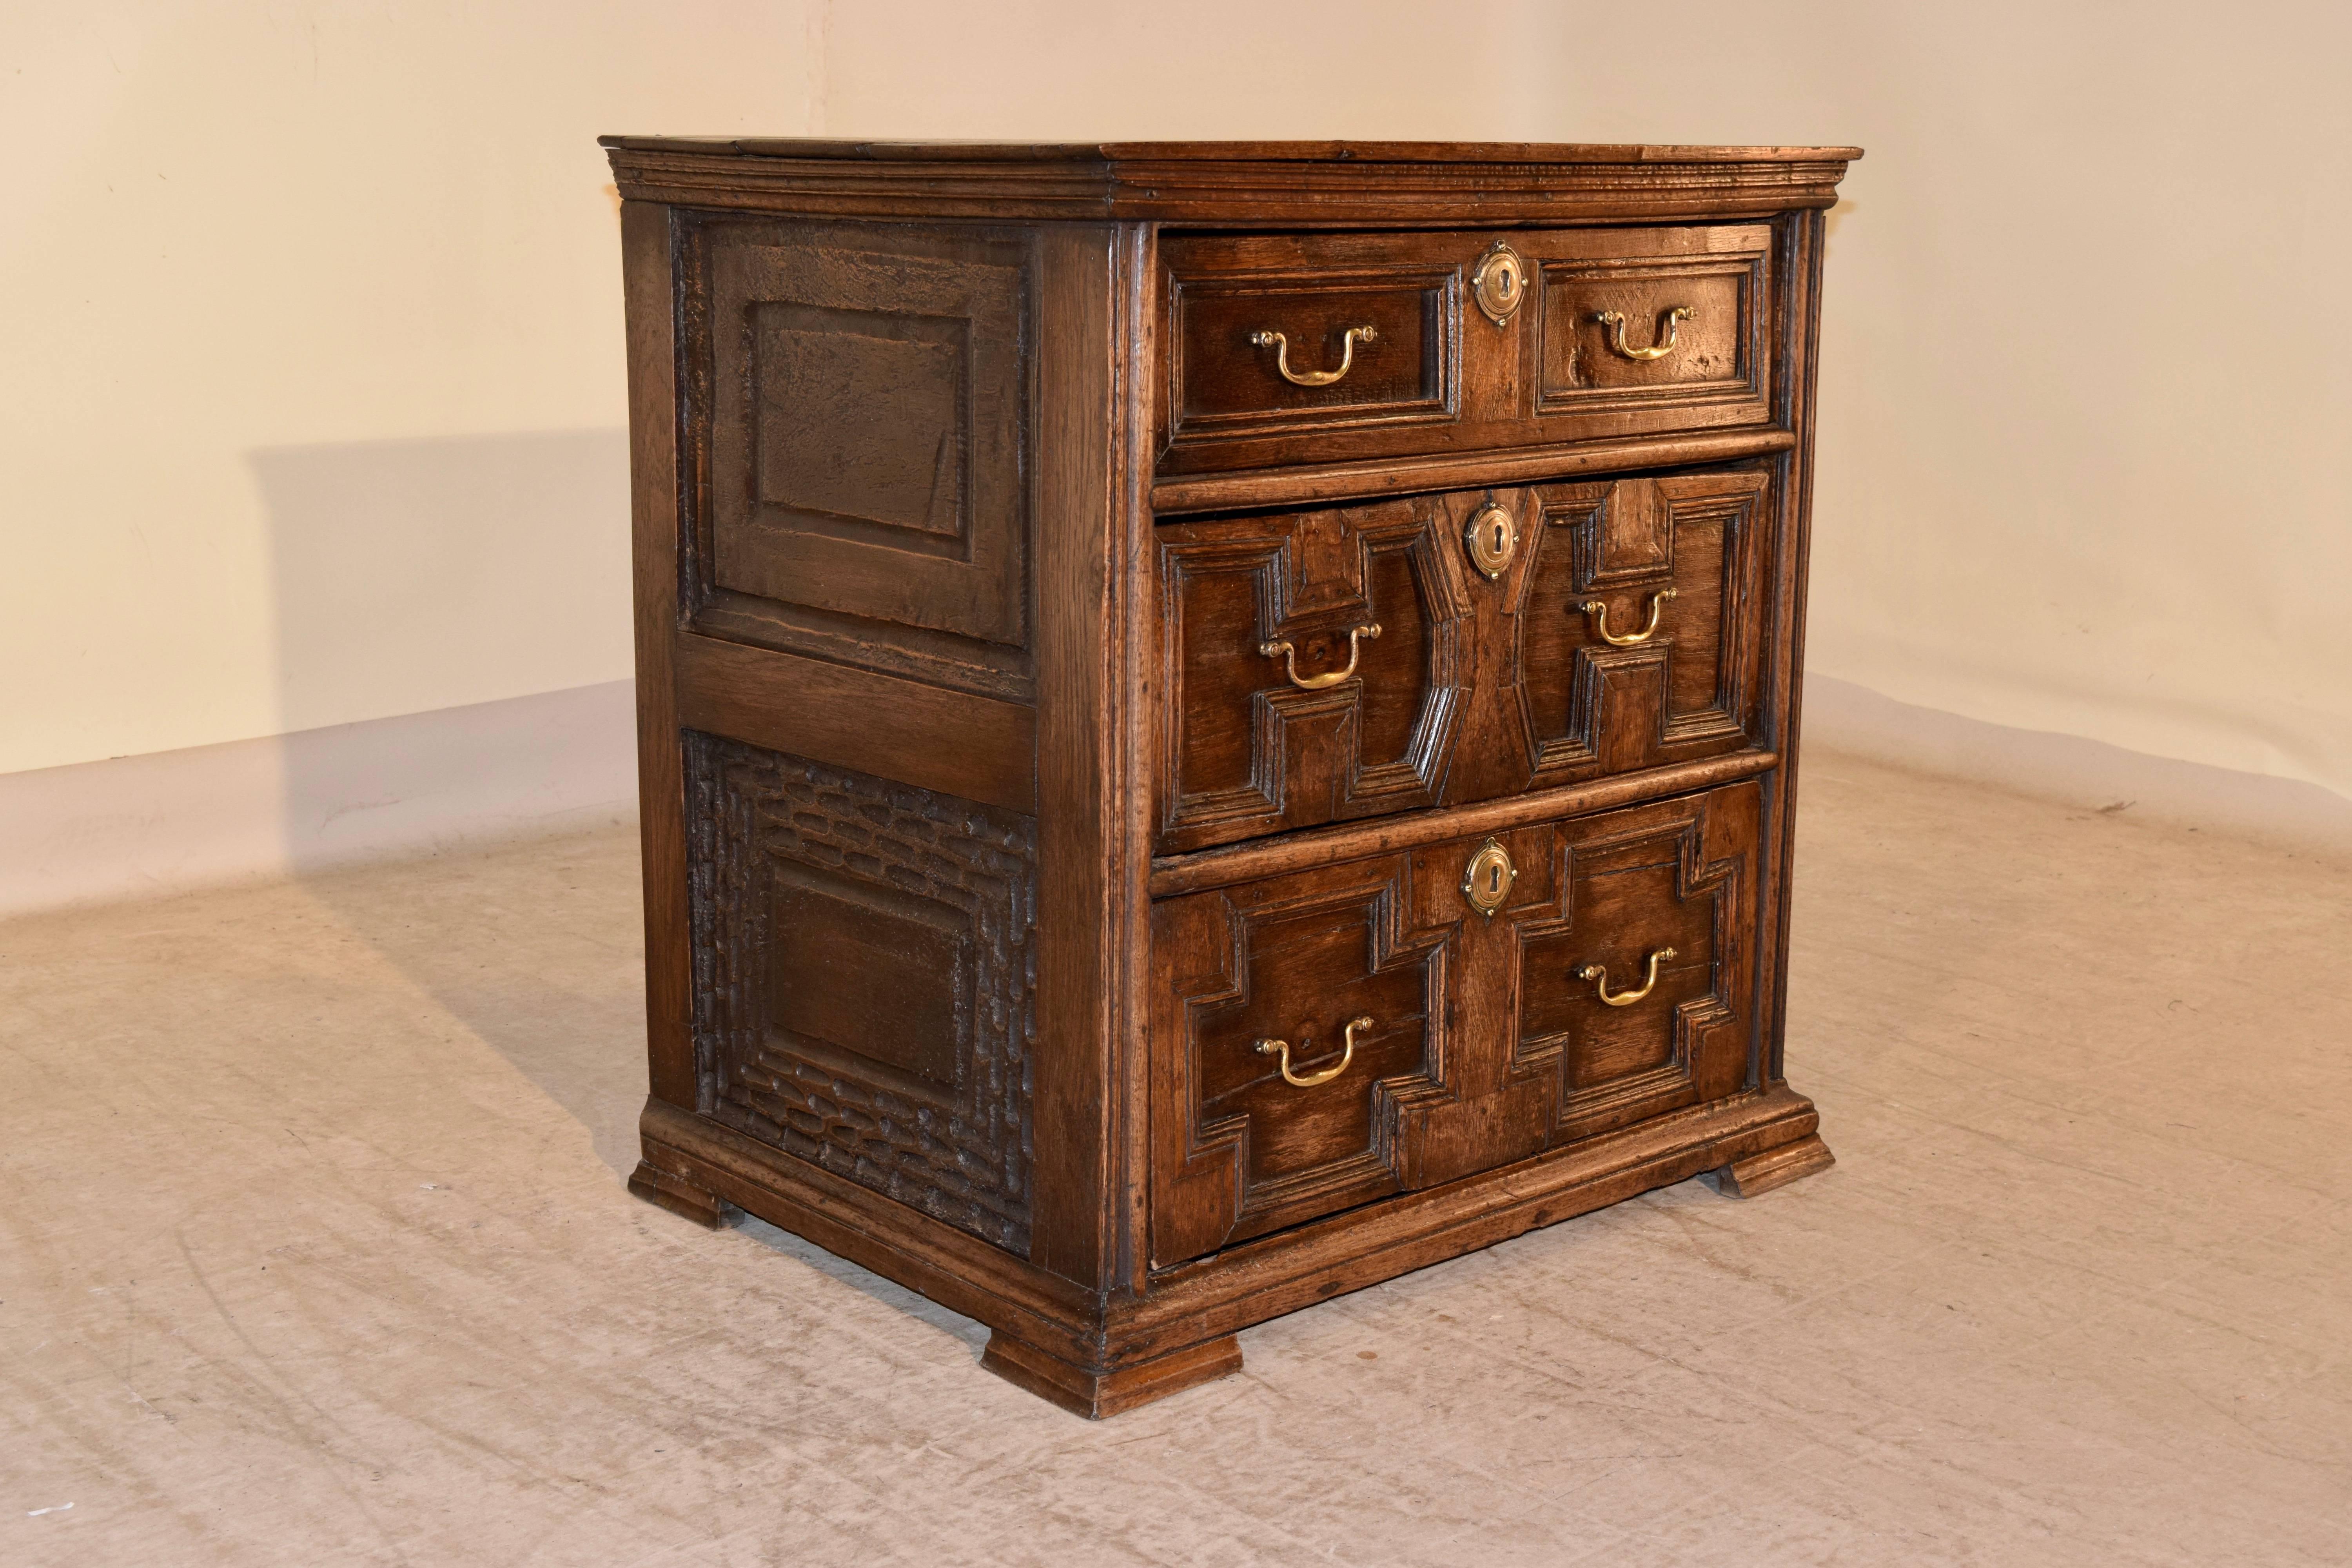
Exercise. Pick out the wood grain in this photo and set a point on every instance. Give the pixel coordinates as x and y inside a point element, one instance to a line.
<point>950,742</point>
<point>1440,377</point>
<point>961,505</point>
<point>655,507</point>
<point>1306,483</point>
<point>1761,1173</point>
<point>1481,1040</point>
<point>1296,185</point>
<point>1082,857</point>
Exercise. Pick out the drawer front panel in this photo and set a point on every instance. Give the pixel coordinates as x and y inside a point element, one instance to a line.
<point>1673,322</point>
<point>1267,342</point>
<point>1635,985</point>
<point>1295,960</point>
<point>1258,617</point>
<point>1642,626</point>
<point>1330,1037</point>
<point>1283,348</point>
<point>1524,638</point>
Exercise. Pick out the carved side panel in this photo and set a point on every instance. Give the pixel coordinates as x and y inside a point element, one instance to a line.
<point>865,986</point>
<point>856,419</point>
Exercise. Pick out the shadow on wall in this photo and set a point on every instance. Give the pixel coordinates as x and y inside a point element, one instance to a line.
<point>415,576</point>
<point>480,586</point>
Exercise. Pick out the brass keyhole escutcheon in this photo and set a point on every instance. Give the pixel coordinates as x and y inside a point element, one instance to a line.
<point>1492,538</point>
<point>1499,283</point>
<point>1487,882</point>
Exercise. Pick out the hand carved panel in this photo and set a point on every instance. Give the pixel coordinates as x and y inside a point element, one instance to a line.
<point>1644,622</point>
<point>856,419</point>
<point>867,967</point>
<point>1635,984</point>
<point>1312,667</point>
<point>1487,1028</point>
<point>1251,1136</point>
<point>1327,665</point>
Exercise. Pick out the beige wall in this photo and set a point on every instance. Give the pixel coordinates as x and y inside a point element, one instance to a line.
<point>310,316</point>
<point>326,314</point>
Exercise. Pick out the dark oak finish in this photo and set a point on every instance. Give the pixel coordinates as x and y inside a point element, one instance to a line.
<point>1464,683</point>
<point>1483,1046</point>
<point>1438,373</point>
<point>967,495</point>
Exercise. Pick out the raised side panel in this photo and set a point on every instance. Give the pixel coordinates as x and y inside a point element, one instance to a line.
<point>860,407</point>
<point>864,986</point>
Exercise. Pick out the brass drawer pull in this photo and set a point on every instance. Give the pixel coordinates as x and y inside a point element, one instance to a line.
<point>1668,324</point>
<point>1281,347</point>
<point>1600,613</point>
<point>1282,1048</point>
<point>1598,975</point>
<point>1289,655</point>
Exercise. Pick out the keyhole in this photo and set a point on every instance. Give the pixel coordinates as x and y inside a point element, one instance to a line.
<point>1494,878</point>
<point>1498,536</point>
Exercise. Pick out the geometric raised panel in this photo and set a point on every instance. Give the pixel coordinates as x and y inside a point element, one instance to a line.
<point>857,410</point>
<point>866,996</point>
<point>1688,688</point>
<point>1672,876</point>
<point>1402,676</point>
<point>1253,744</point>
<point>1242,1150</point>
<point>1479,1042</point>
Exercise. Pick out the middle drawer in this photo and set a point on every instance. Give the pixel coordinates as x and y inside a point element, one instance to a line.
<point>1321,666</point>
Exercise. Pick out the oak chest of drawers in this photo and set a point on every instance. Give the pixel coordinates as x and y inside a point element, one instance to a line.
<point>1218,722</point>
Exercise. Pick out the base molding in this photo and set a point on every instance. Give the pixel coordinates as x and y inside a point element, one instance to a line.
<point>676,1194</point>
<point>1100,1352</point>
<point>1096,1393</point>
<point>1774,1168</point>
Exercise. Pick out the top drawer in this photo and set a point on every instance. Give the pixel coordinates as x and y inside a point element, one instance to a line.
<point>1299,348</point>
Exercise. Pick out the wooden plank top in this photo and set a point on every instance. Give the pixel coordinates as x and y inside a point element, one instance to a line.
<point>1231,151</point>
<point>1231,183</point>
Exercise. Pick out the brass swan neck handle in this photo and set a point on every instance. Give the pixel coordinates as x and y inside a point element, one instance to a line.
<point>1669,322</point>
<point>1598,975</point>
<point>1598,610</point>
<point>1289,655</point>
<point>1308,1080</point>
<point>1266,339</point>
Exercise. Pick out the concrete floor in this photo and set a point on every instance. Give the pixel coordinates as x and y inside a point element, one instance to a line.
<point>317,1252</point>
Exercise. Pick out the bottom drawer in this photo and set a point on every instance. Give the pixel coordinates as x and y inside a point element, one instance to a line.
<point>1367,1027</point>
